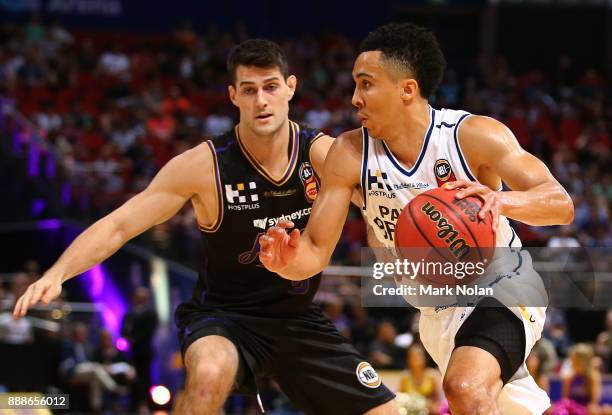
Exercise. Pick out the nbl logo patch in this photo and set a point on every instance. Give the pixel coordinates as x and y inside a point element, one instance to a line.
<point>367,376</point>
<point>443,172</point>
<point>309,181</point>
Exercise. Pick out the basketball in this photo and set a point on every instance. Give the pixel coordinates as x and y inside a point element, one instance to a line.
<point>445,233</point>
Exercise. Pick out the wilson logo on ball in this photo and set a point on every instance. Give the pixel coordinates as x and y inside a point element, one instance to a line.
<point>458,246</point>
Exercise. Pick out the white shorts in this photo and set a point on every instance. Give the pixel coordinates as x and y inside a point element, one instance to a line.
<point>521,395</point>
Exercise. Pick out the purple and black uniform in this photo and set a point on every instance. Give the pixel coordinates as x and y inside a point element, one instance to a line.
<point>276,328</point>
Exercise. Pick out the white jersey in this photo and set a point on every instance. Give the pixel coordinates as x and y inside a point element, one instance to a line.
<point>388,186</point>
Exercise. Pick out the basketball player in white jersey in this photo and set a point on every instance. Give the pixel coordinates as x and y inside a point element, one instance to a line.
<point>406,147</point>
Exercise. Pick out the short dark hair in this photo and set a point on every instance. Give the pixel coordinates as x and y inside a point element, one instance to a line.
<point>260,53</point>
<point>413,49</point>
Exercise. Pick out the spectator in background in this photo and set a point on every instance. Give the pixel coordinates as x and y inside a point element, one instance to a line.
<point>421,379</point>
<point>334,310</point>
<point>11,331</point>
<point>565,239</point>
<point>32,269</point>
<point>139,326</point>
<point>362,328</point>
<point>536,369</point>
<point>115,363</point>
<point>384,353</point>
<point>34,31</point>
<point>114,62</point>
<point>603,345</point>
<point>581,384</point>
<point>555,330</point>
<point>79,368</point>
<point>217,122</point>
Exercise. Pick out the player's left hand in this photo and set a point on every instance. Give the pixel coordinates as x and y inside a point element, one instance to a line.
<point>491,199</point>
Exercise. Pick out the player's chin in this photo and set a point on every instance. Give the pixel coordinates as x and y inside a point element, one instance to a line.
<point>265,128</point>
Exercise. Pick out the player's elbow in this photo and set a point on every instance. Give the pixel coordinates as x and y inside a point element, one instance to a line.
<point>116,231</point>
<point>568,211</point>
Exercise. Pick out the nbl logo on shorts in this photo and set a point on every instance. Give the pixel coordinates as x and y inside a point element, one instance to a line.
<point>367,376</point>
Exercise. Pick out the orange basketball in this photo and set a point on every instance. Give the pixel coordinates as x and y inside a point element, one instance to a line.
<point>437,228</point>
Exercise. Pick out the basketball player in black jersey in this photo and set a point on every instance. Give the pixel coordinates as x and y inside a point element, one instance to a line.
<point>243,322</point>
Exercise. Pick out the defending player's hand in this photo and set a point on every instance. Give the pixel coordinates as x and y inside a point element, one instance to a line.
<point>278,247</point>
<point>45,290</point>
<point>492,200</point>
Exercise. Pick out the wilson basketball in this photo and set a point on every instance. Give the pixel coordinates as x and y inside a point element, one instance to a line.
<point>446,235</point>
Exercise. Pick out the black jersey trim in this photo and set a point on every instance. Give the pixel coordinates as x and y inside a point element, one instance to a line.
<point>294,142</point>
<point>316,137</point>
<point>215,226</point>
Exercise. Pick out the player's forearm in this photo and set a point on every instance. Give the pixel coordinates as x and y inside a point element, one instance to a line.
<point>545,204</point>
<point>94,245</point>
<point>309,261</point>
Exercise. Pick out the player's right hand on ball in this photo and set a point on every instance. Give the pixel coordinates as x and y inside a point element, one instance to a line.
<point>44,290</point>
<point>277,248</point>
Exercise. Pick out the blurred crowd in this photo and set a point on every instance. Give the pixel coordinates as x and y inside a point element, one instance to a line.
<point>115,109</point>
<point>71,351</point>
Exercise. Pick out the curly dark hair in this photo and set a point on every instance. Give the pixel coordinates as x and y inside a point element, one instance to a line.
<point>260,53</point>
<point>411,48</point>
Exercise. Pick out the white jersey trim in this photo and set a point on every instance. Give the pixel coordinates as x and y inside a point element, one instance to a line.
<point>364,164</point>
<point>414,168</point>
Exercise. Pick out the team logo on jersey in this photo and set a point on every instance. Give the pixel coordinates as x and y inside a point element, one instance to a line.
<point>309,181</point>
<point>279,193</point>
<point>267,222</point>
<point>377,185</point>
<point>526,315</point>
<point>386,220</point>
<point>443,172</point>
<point>367,376</point>
<point>377,180</point>
<point>241,196</point>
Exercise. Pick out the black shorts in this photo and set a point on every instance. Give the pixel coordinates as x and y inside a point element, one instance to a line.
<point>317,368</point>
<point>496,329</point>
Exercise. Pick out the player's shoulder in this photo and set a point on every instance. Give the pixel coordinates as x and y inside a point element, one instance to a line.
<point>483,127</point>
<point>194,162</point>
<point>351,141</point>
<point>344,157</point>
<point>485,136</point>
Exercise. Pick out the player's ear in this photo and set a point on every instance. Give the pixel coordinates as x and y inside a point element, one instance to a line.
<point>409,89</point>
<point>292,84</point>
<point>231,90</point>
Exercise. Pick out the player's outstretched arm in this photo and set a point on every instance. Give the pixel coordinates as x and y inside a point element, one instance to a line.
<point>297,257</point>
<point>536,197</point>
<point>164,196</point>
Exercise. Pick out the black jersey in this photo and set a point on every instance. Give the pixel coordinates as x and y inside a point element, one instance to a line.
<point>250,200</point>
